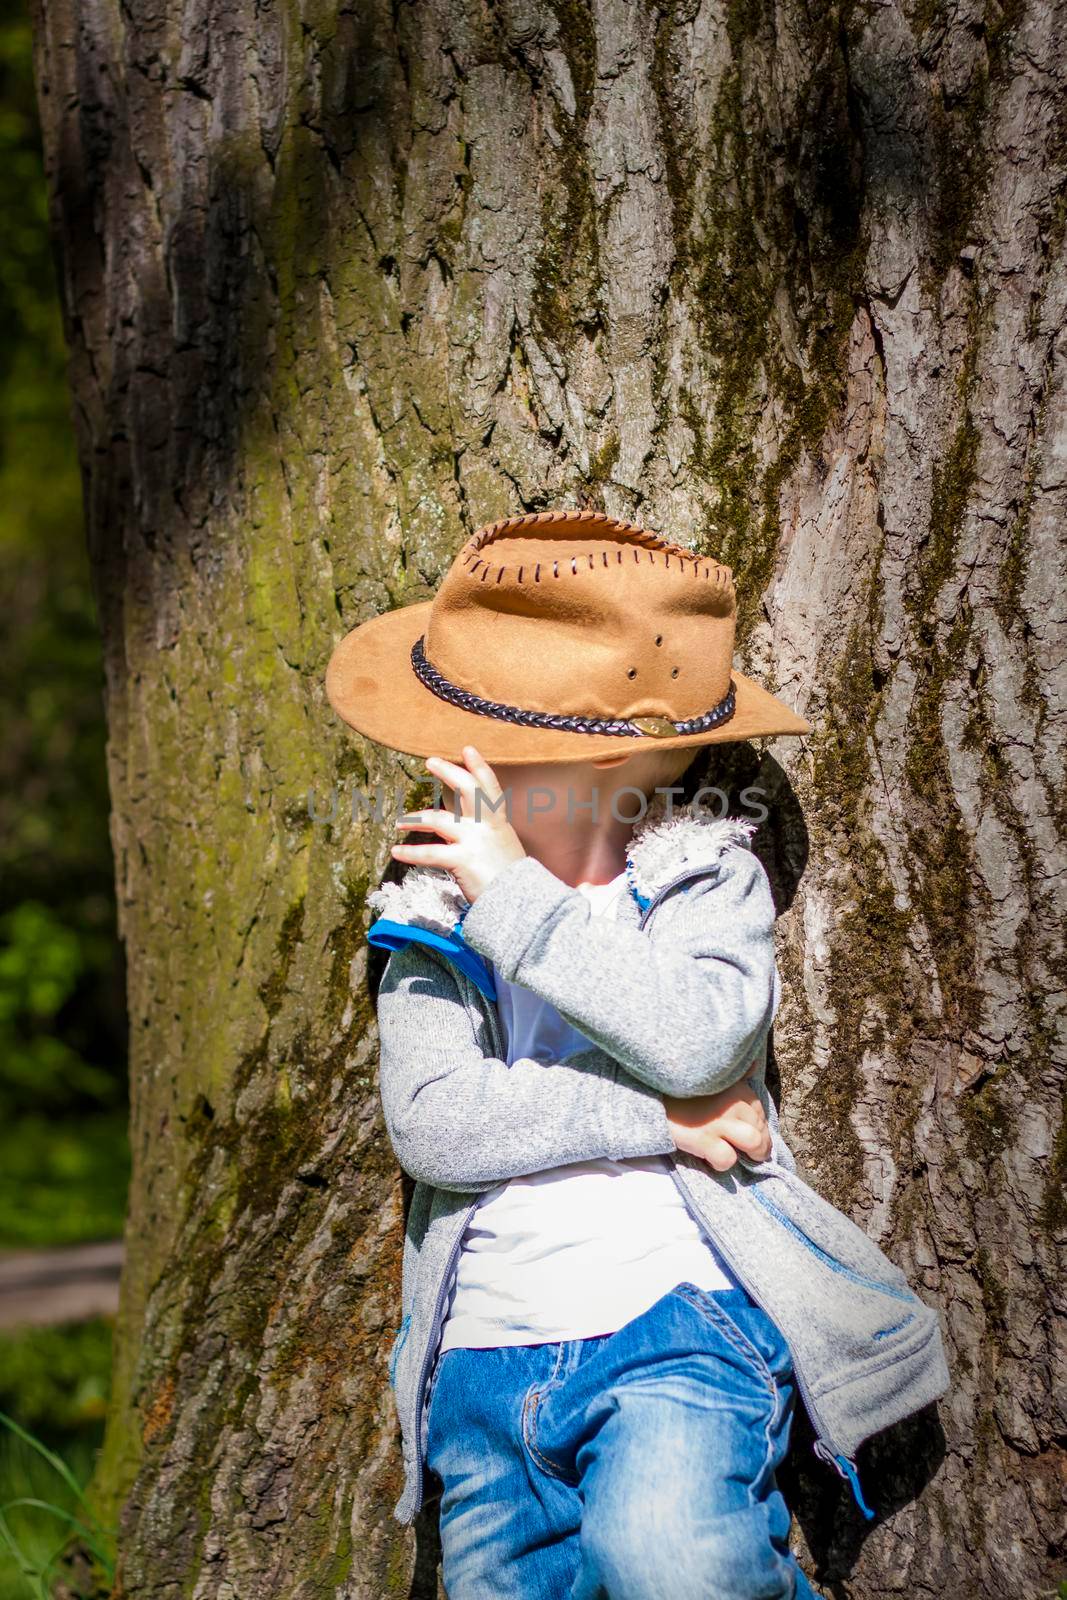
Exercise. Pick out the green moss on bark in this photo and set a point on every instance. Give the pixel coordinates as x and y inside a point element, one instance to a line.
<point>290,935</point>
<point>245,1167</point>
<point>567,278</point>
<point>736,236</point>
<point>1053,1212</point>
<point>867,977</point>
<point>590,492</point>
<point>994,1293</point>
<point>946,885</point>
<point>960,166</point>
<point>1014,568</point>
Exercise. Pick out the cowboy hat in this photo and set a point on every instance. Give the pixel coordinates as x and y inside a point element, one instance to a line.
<point>557,636</point>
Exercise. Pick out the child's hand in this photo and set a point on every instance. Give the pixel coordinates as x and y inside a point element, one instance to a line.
<point>481,842</point>
<point>716,1126</point>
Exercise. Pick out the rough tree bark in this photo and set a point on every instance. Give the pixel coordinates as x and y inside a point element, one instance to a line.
<point>343,283</point>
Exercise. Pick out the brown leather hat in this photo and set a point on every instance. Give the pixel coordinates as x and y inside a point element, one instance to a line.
<point>557,636</point>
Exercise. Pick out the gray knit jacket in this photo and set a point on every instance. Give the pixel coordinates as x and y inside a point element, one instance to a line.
<point>676,988</point>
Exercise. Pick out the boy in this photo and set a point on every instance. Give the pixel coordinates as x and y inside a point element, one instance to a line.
<point>614,1279</point>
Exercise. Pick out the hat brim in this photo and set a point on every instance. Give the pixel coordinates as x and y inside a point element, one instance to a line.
<point>372,686</point>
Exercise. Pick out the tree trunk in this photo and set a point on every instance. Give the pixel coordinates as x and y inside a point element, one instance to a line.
<point>788,283</point>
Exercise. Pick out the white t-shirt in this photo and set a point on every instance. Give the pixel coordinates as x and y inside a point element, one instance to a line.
<point>576,1250</point>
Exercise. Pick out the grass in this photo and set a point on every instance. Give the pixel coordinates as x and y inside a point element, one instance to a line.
<point>53,1393</point>
<point>43,1503</point>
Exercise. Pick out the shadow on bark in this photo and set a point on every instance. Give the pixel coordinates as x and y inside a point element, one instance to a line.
<point>424,1579</point>
<point>894,1468</point>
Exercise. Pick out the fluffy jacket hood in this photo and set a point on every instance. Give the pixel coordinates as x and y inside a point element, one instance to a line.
<point>661,847</point>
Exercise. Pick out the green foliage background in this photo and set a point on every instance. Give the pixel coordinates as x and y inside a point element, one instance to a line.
<point>63,1146</point>
<point>62,1025</point>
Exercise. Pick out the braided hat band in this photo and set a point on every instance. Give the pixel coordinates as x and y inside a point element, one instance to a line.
<point>659,727</point>
<point>624,638</point>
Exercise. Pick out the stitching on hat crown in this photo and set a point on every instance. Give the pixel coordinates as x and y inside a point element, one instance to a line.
<point>598,522</point>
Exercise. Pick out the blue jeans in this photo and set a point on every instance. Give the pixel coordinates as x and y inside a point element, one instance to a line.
<point>637,1465</point>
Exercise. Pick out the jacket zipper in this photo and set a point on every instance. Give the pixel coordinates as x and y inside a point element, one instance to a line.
<point>844,1465</point>
<point>684,877</point>
<point>435,1328</point>
<point>431,1350</point>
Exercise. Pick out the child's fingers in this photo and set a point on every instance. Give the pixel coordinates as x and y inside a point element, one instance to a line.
<point>472,790</point>
<point>484,773</point>
<point>739,1100</point>
<point>427,855</point>
<point>721,1155</point>
<point>741,1134</point>
<point>750,1111</point>
<point>442,822</point>
<point>458,779</point>
<point>450,769</point>
<point>722,1152</point>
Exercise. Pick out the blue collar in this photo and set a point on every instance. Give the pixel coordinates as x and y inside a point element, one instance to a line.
<point>390,935</point>
<point>395,935</point>
<point>643,900</point>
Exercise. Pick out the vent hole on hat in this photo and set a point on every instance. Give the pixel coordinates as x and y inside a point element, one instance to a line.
<point>659,638</point>
<point>674,672</point>
<point>632,672</point>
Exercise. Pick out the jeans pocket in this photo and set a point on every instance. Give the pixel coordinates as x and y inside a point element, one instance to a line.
<point>748,1328</point>
<point>534,1397</point>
